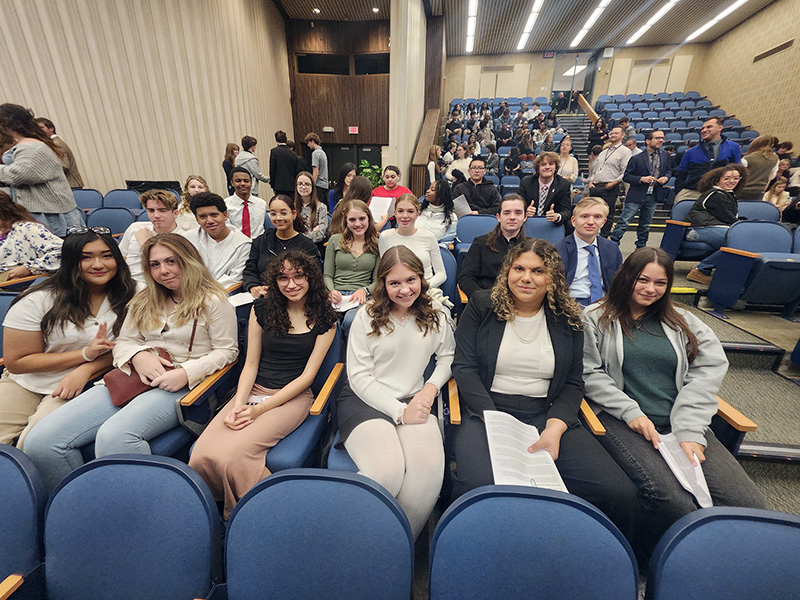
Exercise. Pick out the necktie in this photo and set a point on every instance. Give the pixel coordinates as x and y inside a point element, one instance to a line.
<point>246,219</point>
<point>542,199</point>
<point>653,164</point>
<point>595,280</point>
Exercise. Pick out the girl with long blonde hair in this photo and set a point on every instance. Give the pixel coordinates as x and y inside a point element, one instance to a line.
<point>194,185</point>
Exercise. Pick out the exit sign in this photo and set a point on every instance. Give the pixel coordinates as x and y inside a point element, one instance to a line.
<point>352,130</point>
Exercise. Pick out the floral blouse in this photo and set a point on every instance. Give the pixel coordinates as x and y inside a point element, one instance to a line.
<point>32,245</point>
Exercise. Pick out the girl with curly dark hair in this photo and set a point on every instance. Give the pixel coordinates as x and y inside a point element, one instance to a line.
<point>384,410</point>
<point>519,350</point>
<point>289,334</point>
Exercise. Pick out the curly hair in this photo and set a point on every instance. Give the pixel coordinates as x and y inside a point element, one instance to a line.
<point>318,310</point>
<point>425,315</point>
<point>713,177</point>
<point>558,298</point>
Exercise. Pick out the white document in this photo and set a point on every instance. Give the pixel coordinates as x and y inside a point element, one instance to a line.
<point>241,299</point>
<point>381,206</point>
<point>512,464</point>
<point>346,303</point>
<point>689,476</point>
<point>461,206</point>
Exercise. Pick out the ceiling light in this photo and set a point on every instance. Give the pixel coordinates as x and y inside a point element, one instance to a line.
<point>471,21</point>
<point>529,24</point>
<point>574,71</point>
<point>537,6</point>
<point>316,10</point>
<point>470,43</point>
<point>589,22</point>
<point>526,33</point>
<point>473,8</point>
<point>716,19</point>
<point>653,20</point>
<point>523,40</point>
<point>374,9</point>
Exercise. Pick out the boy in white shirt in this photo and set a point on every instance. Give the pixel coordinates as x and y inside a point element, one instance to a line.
<point>224,249</point>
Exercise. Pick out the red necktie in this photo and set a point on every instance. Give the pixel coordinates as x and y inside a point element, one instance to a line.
<point>246,220</point>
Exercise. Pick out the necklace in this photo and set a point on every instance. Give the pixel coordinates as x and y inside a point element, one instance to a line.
<point>538,328</point>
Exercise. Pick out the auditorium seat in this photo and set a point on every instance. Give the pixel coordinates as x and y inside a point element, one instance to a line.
<point>126,198</point>
<point>683,114</point>
<point>673,242</point>
<point>634,115</point>
<point>504,151</point>
<point>672,106</point>
<point>672,137</point>
<point>641,106</point>
<point>468,228</point>
<point>521,542</point>
<point>540,227</point>
<point>657,105</point>
<point>677,96</point>
<point>117,219</point>
<point>693,94</point>
<point>690,136</point>
<point>700,113</point>
<point>694,124</point>
<point>618,98</point>
<point>678,127</point>
<point>688,104</point>
<point>647,97</point>
<point>666,115</point>
<point>493,178</point>
<point>704,104</point>
<point>730,553</point>
<point>651,115</point>
<point>626,106</point>
<point>88,199</point>
<point>662,96</point>
<point>508,184</point>
<point>717,112</point>
<point>749,134</point>
<point>312,533</point>
<point>633,98</point>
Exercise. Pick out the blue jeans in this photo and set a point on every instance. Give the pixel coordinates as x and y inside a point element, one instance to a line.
<point>662,499</point>
<point>54,443</point>
<point>714,237</point>
<point>646,208</point>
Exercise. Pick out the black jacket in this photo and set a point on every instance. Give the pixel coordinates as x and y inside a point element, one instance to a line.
<point>560,194</point>
<point>483,197</point>
<point>266,247</point>
<point>715,207</point>
<point>481,264</point>
<point>282,168</point>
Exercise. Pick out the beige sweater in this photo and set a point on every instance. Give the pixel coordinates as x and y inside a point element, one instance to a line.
<point>39,178</point>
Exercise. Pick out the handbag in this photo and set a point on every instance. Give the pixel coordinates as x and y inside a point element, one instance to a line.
<point>123,387</point>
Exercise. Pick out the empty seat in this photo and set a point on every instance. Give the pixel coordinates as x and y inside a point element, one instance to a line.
<point>672,105</point>
<point>125,198</point>
<point>694,124</point>
<point>650,114</point>
<point>527,100</point>
<point>641,106</point>
<point>700,113</point>
<point>677,95</point>
<point>693,94</point>
<point>717,112</point>
<point>663,125</point>
<point>493,178</point>
<point>749,134</point>
<point>666,115</point>
<point>639,138</point>
<point>732,135</point>
<point>540,227</point>
<point>642,126</point>
<point>117,218</point>
<point>691,135</point>
<point>504,151</point>
<point>541,100</point>
<point>634,115</point>
<point>678,126</point>
<point>662,96</point>
<point>626,106</point>
<point>682,149</point>
<point>673,137</point>
<point>683,114</point>
<point>658,105</point>
<point>611,106</point>
<point>619,98</point>
<point>704,103</point>
<point>616,116</point>
<point>87,199</point>
<point>633,98</point>
<point>545,108</point>
<point>648,97</point>
<point>688,104</point>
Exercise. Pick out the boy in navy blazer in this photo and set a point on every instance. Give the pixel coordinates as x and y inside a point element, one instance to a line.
<point>646,173</point>
<point>589,272</point>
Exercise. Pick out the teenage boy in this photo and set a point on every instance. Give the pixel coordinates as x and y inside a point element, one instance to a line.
<point>245,211</point>
<point>590,261</point>
<point>162,210</point>
<point>480,193</point>
<point>224,249</point>
<point>485,255</point>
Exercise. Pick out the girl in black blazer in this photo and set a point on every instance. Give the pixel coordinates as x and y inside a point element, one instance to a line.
<point>519,349</point>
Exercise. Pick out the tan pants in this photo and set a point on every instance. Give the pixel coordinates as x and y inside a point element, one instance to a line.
<point>4,276</point>
<point>21,409</point>
<point>686,194</point>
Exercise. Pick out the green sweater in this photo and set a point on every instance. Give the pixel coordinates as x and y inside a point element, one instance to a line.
<point>346,273</point>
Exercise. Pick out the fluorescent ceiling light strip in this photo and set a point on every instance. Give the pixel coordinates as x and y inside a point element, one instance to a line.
<point>716,19</point>
<point>526,32</point>
<point>589,22</point>
<point>471,21</point>
<point>581,34</point>
<point>537,6</point>
<point>530,22</point>
<point>653,20</point>
<point>470,43</point>
<point>522,41</point>
<point>473,8</point>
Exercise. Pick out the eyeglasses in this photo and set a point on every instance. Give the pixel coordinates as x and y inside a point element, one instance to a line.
<point>100,230</point>
<point>297,278</point>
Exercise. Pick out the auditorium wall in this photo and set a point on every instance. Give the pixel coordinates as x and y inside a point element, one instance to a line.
<point>152,89</point>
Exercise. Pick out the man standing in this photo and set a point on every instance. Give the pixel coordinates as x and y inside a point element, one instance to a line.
<point>481,194</point>
<point>282,166</point>
<point>246,212</point>
<point>713,151</point>
<point>647,172</point>
<point>247,160</point>
<point>546,193</point>
<point>319,166</point>
<point>609,168</point>
<point>68,162</point>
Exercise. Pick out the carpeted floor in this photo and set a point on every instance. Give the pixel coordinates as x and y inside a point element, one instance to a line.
<point>780,483</point>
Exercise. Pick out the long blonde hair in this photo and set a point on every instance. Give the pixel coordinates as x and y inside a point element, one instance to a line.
<point>370,235</point>
<point>185,197</point>
<point>147,308</point>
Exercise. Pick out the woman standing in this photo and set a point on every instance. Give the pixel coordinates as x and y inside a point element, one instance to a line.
<point>762,166</point>
<point>60,332</point>
<point>569,164</point>
<point>434,172</point>
<point>27,246</point>
<point>313,212</point>
<point>194,185</point>
<point>598,134</point>
<point>436,214</point>
<point>351,258</point>
<point>231,151</point>
<point>651,368</point>
<point>519,350</point>
<point>421,242</point>
<point>36,172</point>
<point>289,334</point>
<point>384,410</point>
<point>182,310</point>
<point>346,175</point>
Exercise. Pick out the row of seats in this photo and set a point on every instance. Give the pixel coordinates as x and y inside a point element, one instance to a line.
<point>88,199</point>
<point>495,102</point>
<point>147,527</point>
<point>659,97</point>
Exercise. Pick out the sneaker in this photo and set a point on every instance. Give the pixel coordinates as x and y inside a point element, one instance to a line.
<point>699,277</point>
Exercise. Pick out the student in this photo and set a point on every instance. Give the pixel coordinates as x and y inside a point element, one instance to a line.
<point>311,209</point>
<point>162,210</point>
<point>182,310</point>
<point>351,258</point>
<point>319,165</point>
<point>360,188</point>
<point>194,185</point>
<point>286,235</point>
<point>519,350</point>
<point>590,261</point>
<point>461,163</point>
<point>246,212</point>
<point>231,151</point>
<point>28,247</point>
<point>289,333</point>
<point>437,214</point>
<point>384,409</point>
<point>487,252</point>
<point>546,193</point>
<point>60,332</point>
<point>391,188</point>
<point>419,241</point>
<point>346,175</point>
<point>247,160</point>
<point>651,368</point>
<point>481,194</point>
<point>223,249</point>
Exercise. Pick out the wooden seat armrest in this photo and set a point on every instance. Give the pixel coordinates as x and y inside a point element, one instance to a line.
<point>734,418</point>
<point>2,362</point>
<point>325,392</point>
<point>462,295</point>
<point>454,403</point>
<point>235,287</point>
<point>681,223</point>
<point>11,282</point>
<point>116,235</point>
<point>9,585</point>
<point>740,252</point>
<point>195,394</point>
<point>595,426</point>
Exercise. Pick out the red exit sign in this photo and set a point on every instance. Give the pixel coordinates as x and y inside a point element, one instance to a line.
<point>352,130</point>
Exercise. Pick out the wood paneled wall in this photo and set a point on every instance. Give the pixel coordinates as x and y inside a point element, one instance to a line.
<point>435,63</point>
<point>151,89</point>
<point>339,101</point>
